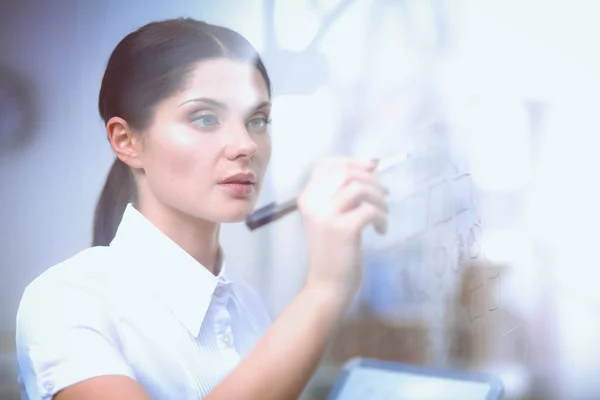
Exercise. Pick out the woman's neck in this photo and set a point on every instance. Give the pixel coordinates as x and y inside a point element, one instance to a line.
<point>199,238</point>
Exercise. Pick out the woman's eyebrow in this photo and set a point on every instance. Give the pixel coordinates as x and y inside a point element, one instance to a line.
<point>264,104</point>
<point>206,100</point>
<point>223,106</point>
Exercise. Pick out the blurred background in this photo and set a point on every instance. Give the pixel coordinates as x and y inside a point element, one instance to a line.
<point>489,262</point>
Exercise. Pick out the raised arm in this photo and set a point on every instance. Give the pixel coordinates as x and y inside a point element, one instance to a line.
<point>341,198</point>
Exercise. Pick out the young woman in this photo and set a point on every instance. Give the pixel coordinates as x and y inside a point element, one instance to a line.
<point>152,312</point>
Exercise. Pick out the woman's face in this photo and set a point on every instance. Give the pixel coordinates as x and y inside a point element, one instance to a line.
<point>207,149</point>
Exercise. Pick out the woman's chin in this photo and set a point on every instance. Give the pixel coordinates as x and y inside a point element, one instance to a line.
<point>234,214</point>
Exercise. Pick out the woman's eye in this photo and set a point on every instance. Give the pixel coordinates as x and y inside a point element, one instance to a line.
<point>258,123</point>
<point>206,121</point>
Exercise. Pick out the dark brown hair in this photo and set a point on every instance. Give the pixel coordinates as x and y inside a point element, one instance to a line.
<point>147,66</point>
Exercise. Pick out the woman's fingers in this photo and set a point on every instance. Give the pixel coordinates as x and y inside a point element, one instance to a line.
<point>358,192</point>
<point>367,214</point>
<point>363,199</point>
<point>343,186</point>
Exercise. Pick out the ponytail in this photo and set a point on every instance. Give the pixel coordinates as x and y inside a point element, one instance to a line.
<point>118,191</point>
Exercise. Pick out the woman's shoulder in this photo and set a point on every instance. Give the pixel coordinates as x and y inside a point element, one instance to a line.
<point>80,277</point>
<point>83,268</point>
<point>65,325</point>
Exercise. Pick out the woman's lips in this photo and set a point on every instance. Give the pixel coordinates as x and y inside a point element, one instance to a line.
<point>239,189</point>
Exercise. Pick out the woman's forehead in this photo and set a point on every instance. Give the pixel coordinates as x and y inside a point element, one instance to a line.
<point>235,83</point>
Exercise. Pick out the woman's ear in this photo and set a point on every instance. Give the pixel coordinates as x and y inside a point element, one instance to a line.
<point>124,141</point>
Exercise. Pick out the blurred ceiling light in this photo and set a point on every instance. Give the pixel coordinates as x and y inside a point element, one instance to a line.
<point>346,41</point>
<point>325,6</point>
<point>394,62</point>
<point>424,28</point>
<point>296,24</point>
<point>248,18</point>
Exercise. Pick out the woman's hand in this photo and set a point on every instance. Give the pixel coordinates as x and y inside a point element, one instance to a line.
<point>341,198</point>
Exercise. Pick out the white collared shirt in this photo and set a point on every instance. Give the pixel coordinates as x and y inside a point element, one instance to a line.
<point>141,307</point>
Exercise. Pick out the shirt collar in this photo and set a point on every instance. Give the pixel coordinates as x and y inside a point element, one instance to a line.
<point>185,285</point>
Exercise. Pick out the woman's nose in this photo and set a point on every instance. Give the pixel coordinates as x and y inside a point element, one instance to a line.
<point>240,144</point>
